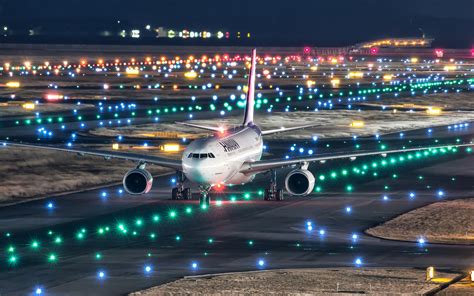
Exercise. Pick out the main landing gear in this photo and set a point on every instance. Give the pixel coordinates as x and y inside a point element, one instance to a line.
<point>179,192</point>
<point>205,198</point>
<point>273,193</point>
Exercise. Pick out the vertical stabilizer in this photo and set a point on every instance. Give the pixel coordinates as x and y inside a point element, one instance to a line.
<point>248,118</point>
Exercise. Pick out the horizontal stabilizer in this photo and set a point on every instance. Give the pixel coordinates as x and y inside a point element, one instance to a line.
<point>287,129</point>
<point>203,127</point>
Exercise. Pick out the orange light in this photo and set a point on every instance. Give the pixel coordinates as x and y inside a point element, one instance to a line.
<point>356,74</point>
<point>449,68</point>
<point>13,84</point>
<point>190,75</point>
<point>171,148</point>
<point>28,106</point>
<point>132,71</point>
<point>53,97</point>
<point>222,130</point>
<point>335,82</point>
<point>357,124</point>
<point>433,111</point>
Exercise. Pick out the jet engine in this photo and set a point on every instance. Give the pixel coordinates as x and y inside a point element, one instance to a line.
<point>137,181</point>
<point>299,182</point>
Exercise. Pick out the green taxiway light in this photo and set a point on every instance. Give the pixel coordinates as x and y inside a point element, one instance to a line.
<point>98,256</point>
<point>172,214</point>
<point>250,242</point>
<point>34,244</point>
<point>12,259</point>
<point>210,240</point>
<point>189,210</point>
<point>52,258</point>
<point>156,218</point>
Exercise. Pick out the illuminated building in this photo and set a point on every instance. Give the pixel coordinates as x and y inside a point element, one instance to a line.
<point>397,42</point>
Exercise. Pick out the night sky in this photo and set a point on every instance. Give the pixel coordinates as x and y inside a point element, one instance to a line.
<point>335,22</point>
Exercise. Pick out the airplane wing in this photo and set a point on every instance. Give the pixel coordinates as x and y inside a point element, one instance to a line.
<point>287,129</point>
<point>168,163</point>
<point>203,127</point>
<point>267,132</point>
<point>265,165</point>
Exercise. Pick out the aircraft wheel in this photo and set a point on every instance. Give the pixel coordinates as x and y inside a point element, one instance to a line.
<point>174,194</point>
<point>187,194</point>
<point>279,195</point>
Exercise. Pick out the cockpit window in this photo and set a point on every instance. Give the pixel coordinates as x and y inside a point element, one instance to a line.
<point>201,155</point>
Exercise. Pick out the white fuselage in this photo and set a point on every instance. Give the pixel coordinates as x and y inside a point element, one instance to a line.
<point>219,158</point>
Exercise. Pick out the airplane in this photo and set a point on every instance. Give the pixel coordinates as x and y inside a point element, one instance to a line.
<point>227,157</point>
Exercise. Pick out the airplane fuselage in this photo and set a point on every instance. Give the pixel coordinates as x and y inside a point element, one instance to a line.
<point>219,158</point>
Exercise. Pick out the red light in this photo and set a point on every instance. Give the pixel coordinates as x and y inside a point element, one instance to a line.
<point>307,50</point>
<point>439,53</point>
<point>219,187</point>
<point>374,50</point>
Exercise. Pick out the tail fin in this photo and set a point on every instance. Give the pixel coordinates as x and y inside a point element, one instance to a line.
<point>248,118</point>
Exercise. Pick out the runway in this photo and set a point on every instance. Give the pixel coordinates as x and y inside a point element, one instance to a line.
<point>229,236</point>
<point>104,242</point>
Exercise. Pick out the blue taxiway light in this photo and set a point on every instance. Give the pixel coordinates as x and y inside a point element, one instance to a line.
<point>358,261</point>
<point>101,274</point>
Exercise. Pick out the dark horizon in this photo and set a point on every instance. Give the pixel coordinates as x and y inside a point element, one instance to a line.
<point>317,23</point>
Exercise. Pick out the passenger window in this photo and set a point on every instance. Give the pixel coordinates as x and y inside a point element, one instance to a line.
<point>211,155</point>
<point>195,155</point>
<point>203,156</point>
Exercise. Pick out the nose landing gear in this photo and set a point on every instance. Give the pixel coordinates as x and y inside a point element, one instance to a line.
<point>180,192</point>
<point>205,198</point>
<point>273,192</point>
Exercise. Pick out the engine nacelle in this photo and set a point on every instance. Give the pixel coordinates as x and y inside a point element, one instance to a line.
<point>300,182</point>
<point>137,181</point>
